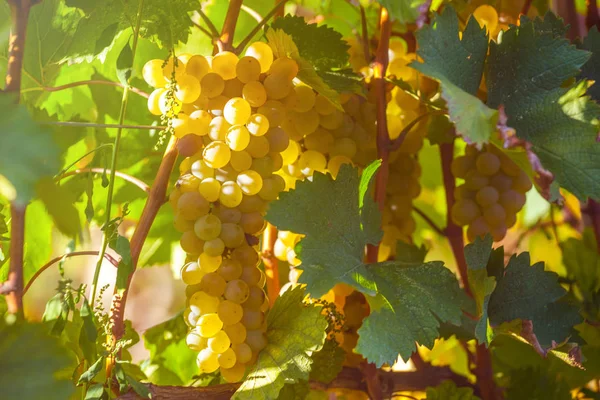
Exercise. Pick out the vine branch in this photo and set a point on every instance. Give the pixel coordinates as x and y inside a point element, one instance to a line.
<point>348,378</point>
<point>383,138</point>
<point>526,7</point>
<point>19,10</point>
<point>270,262</point>
<point>213,29</point>
<point>278,6</point>
<point>131,179</point>
<point>233,12</point>
<point>50,263</point>
<point>85,83</point>
<point>593,17</point>
<point>155,200</point>
<point>429,221</point>
<point>97,125</point>
<point>365,34</point>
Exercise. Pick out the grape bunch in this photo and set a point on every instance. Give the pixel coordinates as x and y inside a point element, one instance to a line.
<point>492,194</point>
<point>230,116</point>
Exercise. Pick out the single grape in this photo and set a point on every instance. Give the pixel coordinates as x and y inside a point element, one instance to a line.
<point>231,194</point>
<point>153,74</point>
<point>232,235</point>
<point>217,154</point>
<point>522,183</point>
<point>195,342</point>
<point>255,299</point>
<point>187,89</point>
<point>486,15</point>
<point>154,101</point>
<point>487,195</point>
<point>252,319</point>
<point>285,67</point>
<point>191,205</point>
<point>254,93</point>
<point>227,359</point>
<point>258,124</point>
<point>225,64</point>
<point>247,256</point>
<point>488,163</point>
<point>197,66</point>
<point>256,339</point>
<point>475,180</point>
<point>218,128</point>
<point>233,374</point>
<point>236,332</point>
<point>477,228</point>
<point>512,201</point>
<point>277,86</point>
<point>207,227</point>
<point>230,312</point>
<point>190,243</point>
<point>219,342</point>
<point>203,303</point>
<point>263,53</point>
<point>258,147</point>
<point>191,273</point>
<point>209,263</point>
<point>210,188</point>
<point>208,325</point>
<point>461,166</point>
<point>237,291</point>
<point>494,214</point>
<point>305,98</point>
<point>230,269</point>
<point>202,171</point>
<point>212,85</point>
<point>237,111</point>
<point>226,214</point>
<point>213,284</point>
<point>207,361</point>
<point>252,223</point>
<point>250,182</point>
<point>233,88</point>
<point>464,212</point>
<point>243,352</point>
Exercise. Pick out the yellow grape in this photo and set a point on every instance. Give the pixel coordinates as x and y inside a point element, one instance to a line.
<point>197,66</point>
<point>191,273</point>
<point>285,67</point>
<point>254,93</point>
<point>209,263</point>
<point>230,269</point>
<point>190,243</point>
<point>488,164</point>
<point>236,332</point>
<point>154,101</point>
<point>187,89</point>
<point>201,170</point>
<point>232,235</point>
<point>214,247</point>
<point>250,182</point>
<point>207,227</point>
<point>229,312</point>
<point>209,324</point>
<point>237,111</point>
<point>233,88</point>
<point>212,85</point>
<point>207,361</point>
<point>465,211</point>
<point>231,194</point>
<point>487,16</point>
<point>277,86</point>
<point>305,98</point>
<point>248,69</point>
<point>263,53</point>
<point>199,122</point>
<point>235,373</point>
<point>213,284</point>
<point>219,342</point>
<point>153,74</point>
<point>486,196</point>
<point>227,359</point>
<point>278,139</point>
<point>225,64</point>
<point>217,154</point>
<point>240,160</point>
<point>237,291</point>
<point>237,137</point>
<point>258,146</point>
<point>258,124</point>
<point>323,106</point>
<point>291,153</point>
<point>210,188</point>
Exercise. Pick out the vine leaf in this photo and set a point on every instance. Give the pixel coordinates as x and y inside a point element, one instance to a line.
<point>23,165</point>
<point>534,383</point>
<point>591,69</point>
<point>529,292</point>
<point>3,226</point>
<point>557,120</point>
<point>295,331</point>
<point>59,204</point>
<point>477,255</point>
<point>324,50</point>
<point>339,227</point>
<point>458,65</point>
<point>448,391</point>
<point>327,362</point>
<point>125,64</point>
<point>332,250</point>
<point>408,292</point>
<point>31,362</point>
<point>120,244</point>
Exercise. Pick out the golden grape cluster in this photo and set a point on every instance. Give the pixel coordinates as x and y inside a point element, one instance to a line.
<point>228,114</point>
<point>492,194</point>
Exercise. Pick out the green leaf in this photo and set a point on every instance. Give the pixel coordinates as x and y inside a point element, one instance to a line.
<point>23,166</point>
<point>448,58</point>
<point>335,222</point>
<point>295,331</point>
<point>320,45</point>
<point>96,392</point>
<point>59,204</point>
<point>295,391</point>
<point>3,226</point>
<point>92,371</point>
<point>523,290</point>
<point>477,255</point>
<point>458,65</point>
<point>327,362</point>
<point>591,69</point>
<point>529,292</point>
<point>582,263</point>
<point>535,384</point>
<point>31,363</point>
<point>89,333</point>
<point>448,391</point>
<point>125,64</point>
<point>142,390</point>
<point>121,245</point>
<point>332,252</point>
<point>410,253</point>
<point>403,11</point>
<point>526,74</point>
<point>422,294</point>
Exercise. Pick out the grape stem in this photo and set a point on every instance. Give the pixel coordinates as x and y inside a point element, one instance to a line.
<point>365,34</point>
<point>16,49</point>
<point>278,6</point>
<point>84,83</point>
<point>156,199</point>
<point>208,22</point>
<point>429,221</point>
<point>270,262</point>
<point>50,263</point>
<point>397,142</point>
<point>383,139</point>
<point>348,378</point>
<point>526,6</point>
<point>203,30</point>
<point>131,179</point>
<point>225,42</point>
